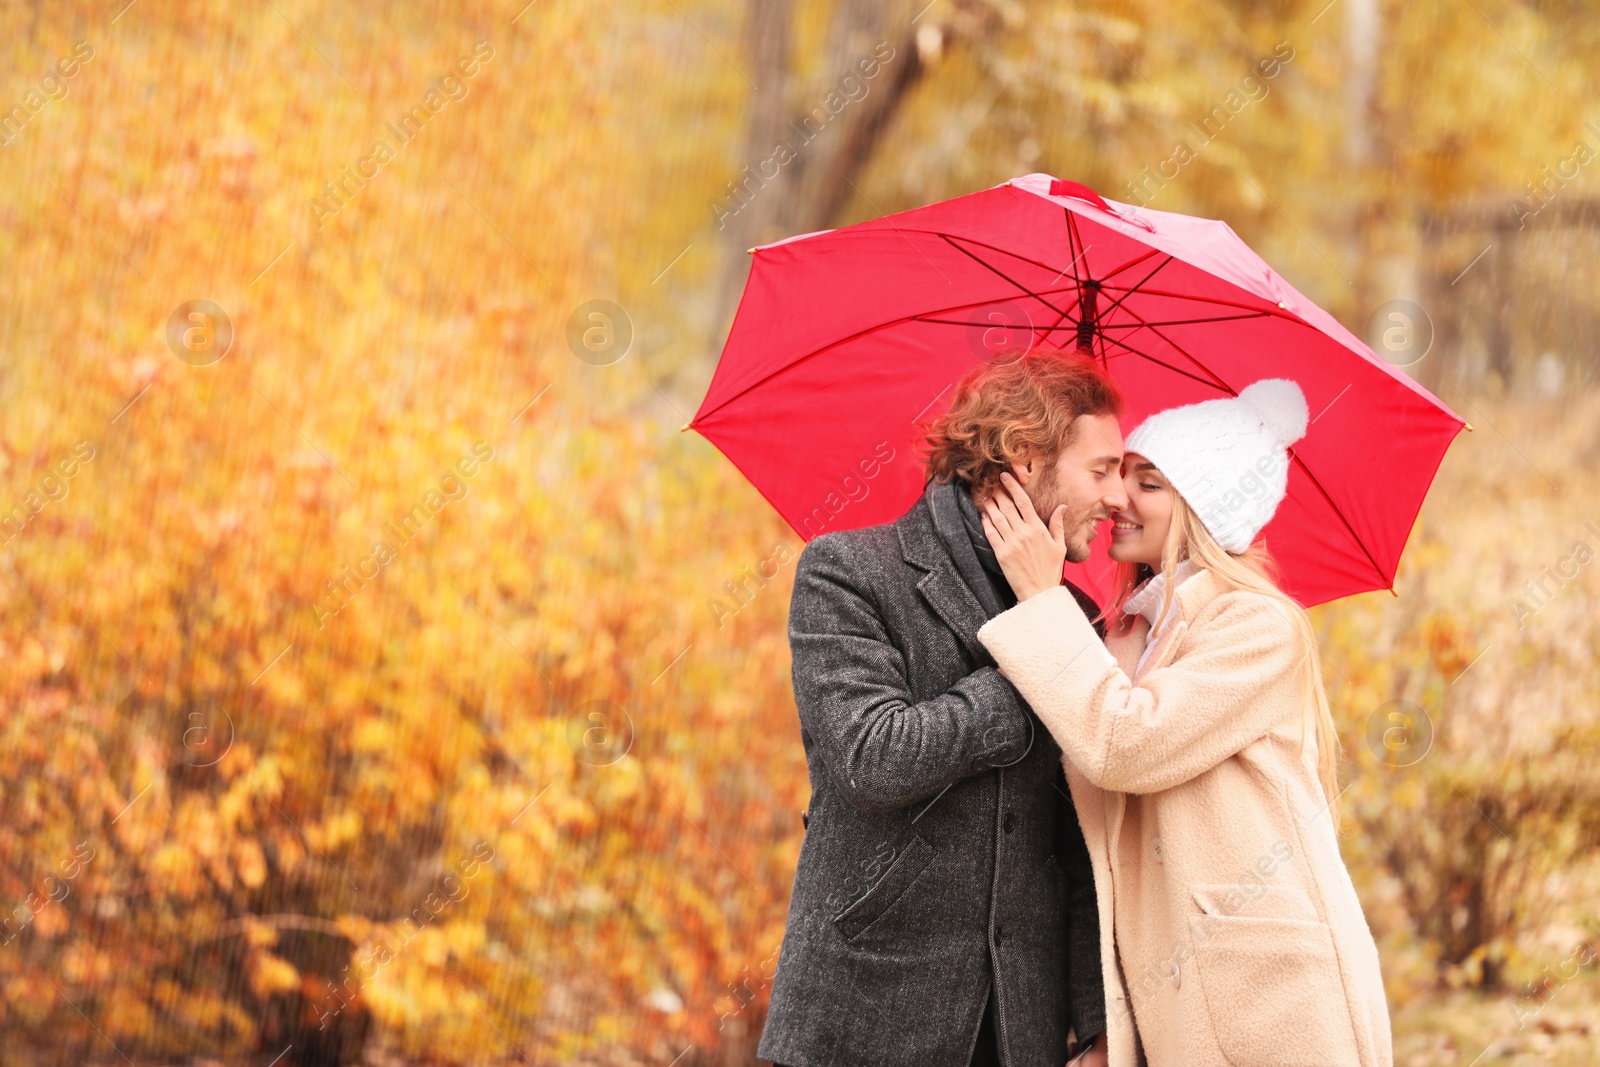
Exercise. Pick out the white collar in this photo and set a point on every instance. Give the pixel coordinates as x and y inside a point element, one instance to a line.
<point>1148,598</point>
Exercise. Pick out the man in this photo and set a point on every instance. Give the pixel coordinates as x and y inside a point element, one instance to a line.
<point>943,910</point>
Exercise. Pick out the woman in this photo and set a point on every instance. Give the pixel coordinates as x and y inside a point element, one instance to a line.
<point>1200,754</point>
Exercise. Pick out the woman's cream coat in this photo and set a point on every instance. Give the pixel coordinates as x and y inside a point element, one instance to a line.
<point>1229,927</point>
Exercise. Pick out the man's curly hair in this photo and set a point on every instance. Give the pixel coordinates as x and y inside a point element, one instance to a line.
<point>1013,407</point>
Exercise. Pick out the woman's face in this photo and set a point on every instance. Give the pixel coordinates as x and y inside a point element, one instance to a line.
<point>1139,531</point>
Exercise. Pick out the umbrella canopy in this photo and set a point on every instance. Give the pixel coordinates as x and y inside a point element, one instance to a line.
<point>848,342</point>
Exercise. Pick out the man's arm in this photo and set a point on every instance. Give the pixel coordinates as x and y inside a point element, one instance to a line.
<point>883,750</point>
<point>1086,991</point>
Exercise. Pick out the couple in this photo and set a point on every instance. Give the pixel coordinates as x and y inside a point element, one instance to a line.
<point>1039,831</point>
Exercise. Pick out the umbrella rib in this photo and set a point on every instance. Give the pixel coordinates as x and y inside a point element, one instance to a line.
<point>1168,366</point>
<point>1106,326</point>
<point>1232,392</point>
<point>1184,353</point>
<point>1182,322</point>
<point>964,322</point>
<point>1140,324</point>
<point>758,383</point>
<point>1073,240</point>
<point>950,237</point>
<point>997,271</point>
<point>1072,265</point>
<point>1061,314</point>
<point>1136,286</point>
<point>923,316</point>
<point>832,344</point>
<point>1271,310</point>
<point>1134,262</point>
<point>1314,479</point>
<point>1336,510</point>
<point>920,317</point>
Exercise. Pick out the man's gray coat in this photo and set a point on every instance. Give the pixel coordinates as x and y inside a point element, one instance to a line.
<point>942,852</point>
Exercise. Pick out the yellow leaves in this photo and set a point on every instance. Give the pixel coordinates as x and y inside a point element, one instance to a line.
<point>31,661</point>
<point>126,1012</point>
<point>388,1002</point>
<point>269,973</point>
<point>1408,793</point>
<point>337,830</point>
<point>283,683</point>
<point>239,758</point>
<point>236,803</point>
<point>358,928</point>
<point>372,734</point>
<point>570,813</point>
<point>431,945</point>
<point>266,778</point>
<point>414,999</point>
<point>575,569</point>
<point>624,782</point>
<point>86,964</point>
<point>250,862</point>
<point>176,869</point>
<point>465,938</point>
<point>258,934</point>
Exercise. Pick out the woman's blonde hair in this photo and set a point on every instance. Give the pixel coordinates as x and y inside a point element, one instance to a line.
<point>1256,571</point>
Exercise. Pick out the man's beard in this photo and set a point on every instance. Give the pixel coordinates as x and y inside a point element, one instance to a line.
<point>1045,502</point>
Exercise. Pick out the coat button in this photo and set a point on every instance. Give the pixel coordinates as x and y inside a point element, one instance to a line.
<point>1155,848</point>
<point>999,932</point>
<point>1175,977</point>
<point>1009,823</point>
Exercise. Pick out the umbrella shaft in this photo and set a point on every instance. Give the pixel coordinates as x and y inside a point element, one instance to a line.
<point>1088,311</point>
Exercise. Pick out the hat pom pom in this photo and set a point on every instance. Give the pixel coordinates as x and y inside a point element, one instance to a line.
<point>1282,407</point>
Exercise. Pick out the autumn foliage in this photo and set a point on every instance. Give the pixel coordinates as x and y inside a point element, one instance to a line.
<point>400,684</point>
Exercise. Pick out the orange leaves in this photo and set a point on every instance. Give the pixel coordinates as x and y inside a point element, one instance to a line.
<point>1449,647</point>
<point>570,814</point>
<point>50,920</point>
<point>432,710</point>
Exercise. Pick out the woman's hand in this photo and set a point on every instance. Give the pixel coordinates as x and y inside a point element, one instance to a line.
<point>1031,554</point>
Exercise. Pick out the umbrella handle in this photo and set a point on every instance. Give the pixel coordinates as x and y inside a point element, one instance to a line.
<point>1079,191</point>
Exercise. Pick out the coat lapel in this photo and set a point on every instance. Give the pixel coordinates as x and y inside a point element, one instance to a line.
<point>1128,647</point>
<point>1192,595</point>
<point>942,587</point>
<point>1166,646</point>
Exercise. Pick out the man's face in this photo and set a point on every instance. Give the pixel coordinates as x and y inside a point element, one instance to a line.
<point>1086,477</point>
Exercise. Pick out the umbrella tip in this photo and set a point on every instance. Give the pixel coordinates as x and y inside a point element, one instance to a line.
<point>1392,592</point>
<point>749,251</point>
<point>1468,425</point>
<point>684,427</point>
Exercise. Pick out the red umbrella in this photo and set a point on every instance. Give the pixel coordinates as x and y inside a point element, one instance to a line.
<point>847,341</point>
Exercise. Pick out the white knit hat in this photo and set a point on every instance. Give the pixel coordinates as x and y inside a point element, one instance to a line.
<point>1227,457</point>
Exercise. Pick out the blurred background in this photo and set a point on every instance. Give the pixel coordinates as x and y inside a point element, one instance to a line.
<point>387,680</point>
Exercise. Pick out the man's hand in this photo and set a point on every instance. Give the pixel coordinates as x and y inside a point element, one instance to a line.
<point>1031,554</point>
<point>1093,1056</point>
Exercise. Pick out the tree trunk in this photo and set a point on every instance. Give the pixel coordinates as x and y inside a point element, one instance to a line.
<point>804,146</point>
<point>1366,152</point>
